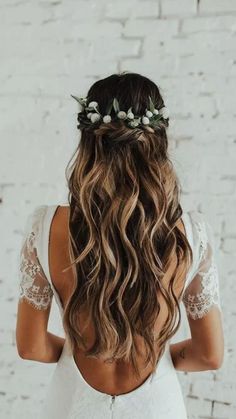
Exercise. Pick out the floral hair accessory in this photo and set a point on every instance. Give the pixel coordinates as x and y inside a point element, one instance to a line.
<point>90,114</point>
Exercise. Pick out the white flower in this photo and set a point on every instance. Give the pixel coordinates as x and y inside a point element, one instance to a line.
<point>107,118</point>
<point>95,117</point>
<point>164,112</point>
<point>93,104</point>
<point>121,114</point>
<point>155,111</point>
<point>134,123</point>
<point>145,120</point>
<point>89,115</point>
<point>149,114</point>
<point>130,115</point>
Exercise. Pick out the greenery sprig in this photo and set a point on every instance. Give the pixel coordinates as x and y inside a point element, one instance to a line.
<point>90,113</point>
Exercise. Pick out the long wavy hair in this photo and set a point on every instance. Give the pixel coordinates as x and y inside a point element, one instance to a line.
<point>123,234</point>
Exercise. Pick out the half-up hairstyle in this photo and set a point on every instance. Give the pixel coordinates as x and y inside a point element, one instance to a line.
<point>124,211</point>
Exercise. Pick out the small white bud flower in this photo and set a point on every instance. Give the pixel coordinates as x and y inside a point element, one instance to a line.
<point>149,114</point>
<point>89,115</point>
<point>121,114</point>
<point>93,104</point>
<point>164,112</point>
<point>107,118</point>
<point>134,123</point>
<point>130,115</point>
<point>156,112</point>
<point>145,120</point>
<point>95,117</point>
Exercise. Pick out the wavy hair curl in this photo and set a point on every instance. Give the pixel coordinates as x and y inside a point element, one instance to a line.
<point>124,210</point>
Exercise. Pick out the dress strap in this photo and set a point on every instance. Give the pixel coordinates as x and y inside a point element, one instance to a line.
<point>187,220</point>
<point>43,247</point>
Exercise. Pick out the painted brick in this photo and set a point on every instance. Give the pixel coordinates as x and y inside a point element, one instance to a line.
<point>155,29</point>
<point>178,8</point>
<point>132,9</point>
<point>209,24</point>
<point>217,6</point>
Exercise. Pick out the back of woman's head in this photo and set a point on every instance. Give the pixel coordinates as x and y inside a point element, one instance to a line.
<point>124,209</point>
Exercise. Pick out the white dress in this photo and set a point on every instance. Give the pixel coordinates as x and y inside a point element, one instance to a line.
<point>69,396</point>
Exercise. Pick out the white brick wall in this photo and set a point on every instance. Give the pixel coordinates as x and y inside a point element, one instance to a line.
<point>217,6</point>
<point>178,8</point>
<point>50,49</point>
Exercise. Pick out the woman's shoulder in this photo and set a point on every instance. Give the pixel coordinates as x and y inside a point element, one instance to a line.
<point>59,218</point>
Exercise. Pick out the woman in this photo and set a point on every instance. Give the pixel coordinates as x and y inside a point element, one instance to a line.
<point>119,258</point>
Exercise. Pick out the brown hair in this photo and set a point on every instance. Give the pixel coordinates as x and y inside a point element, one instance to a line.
<point>124,209</point>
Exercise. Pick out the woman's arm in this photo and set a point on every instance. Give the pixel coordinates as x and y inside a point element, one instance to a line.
<point>186,357</point>
<point>201,298</point>
<point>33,340</point>
<point>205,349</point>
<point>49,353</point>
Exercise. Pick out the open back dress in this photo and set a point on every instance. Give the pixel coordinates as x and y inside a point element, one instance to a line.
<point>69,396</point>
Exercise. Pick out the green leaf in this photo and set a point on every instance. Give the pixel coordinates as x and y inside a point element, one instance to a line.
<point>79,100</point>
<point>109,108</point>
<point>155,121</point>
<point>157,117</point>
<point>90,109</point>
<point>151,104</point>
<point>116,105</point>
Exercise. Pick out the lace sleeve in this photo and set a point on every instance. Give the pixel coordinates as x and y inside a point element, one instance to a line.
<point>34,286</point>
<point>202,293</point>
